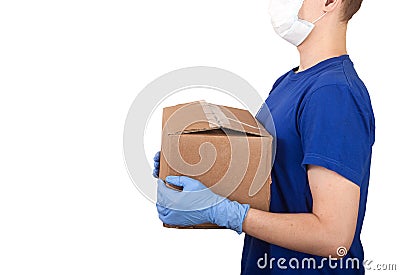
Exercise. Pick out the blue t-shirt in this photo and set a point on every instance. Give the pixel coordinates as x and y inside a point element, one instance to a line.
<point>322,116</point>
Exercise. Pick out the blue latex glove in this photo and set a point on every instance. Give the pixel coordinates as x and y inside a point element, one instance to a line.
<point>156,169</point>
<point>197,204</point>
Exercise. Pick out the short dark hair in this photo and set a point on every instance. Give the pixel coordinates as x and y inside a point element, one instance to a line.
<point>350,7</point>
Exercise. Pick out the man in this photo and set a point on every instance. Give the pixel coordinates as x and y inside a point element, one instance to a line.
<point>325,131</point>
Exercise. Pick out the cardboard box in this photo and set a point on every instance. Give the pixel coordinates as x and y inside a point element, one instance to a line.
<point>225,148</point>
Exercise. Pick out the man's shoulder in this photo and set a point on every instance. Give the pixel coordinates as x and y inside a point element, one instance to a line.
<point>340,84</point>
<point>334,76</point>
<point>341,74</point>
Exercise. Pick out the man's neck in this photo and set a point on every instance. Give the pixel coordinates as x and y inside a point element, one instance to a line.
<point>317,48</point>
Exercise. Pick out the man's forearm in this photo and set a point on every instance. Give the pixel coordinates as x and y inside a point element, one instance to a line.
<point>301,232</point>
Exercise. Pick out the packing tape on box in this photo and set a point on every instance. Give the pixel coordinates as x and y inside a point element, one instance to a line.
<point>216,116</point>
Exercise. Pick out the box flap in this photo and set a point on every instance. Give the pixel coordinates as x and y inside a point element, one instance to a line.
<point>201,116</point>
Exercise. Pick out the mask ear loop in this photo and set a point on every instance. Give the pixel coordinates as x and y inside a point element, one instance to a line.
<point>319,18</point>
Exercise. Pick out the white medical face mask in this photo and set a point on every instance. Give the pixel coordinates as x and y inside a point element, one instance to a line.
<point>286,23</point>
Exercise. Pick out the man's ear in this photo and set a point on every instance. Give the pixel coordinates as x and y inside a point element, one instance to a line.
<point>331,5</point>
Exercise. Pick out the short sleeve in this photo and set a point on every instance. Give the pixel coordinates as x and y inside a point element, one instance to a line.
<point>335,131</point>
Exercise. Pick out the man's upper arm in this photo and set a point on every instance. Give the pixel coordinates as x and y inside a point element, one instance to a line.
<point>335,130</point>
<point>335,203</point>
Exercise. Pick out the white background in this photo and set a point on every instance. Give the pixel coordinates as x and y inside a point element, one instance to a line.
<point>69,71</point>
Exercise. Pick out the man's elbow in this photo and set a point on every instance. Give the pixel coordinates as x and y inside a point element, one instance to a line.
<point>338,244</point>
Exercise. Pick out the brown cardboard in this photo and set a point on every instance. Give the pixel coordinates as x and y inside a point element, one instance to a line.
<point>219,144</point>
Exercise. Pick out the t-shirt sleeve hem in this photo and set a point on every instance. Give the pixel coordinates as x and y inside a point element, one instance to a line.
<point>348,173</point>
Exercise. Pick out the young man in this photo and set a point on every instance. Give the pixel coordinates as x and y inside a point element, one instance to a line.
<point>325,131</point>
